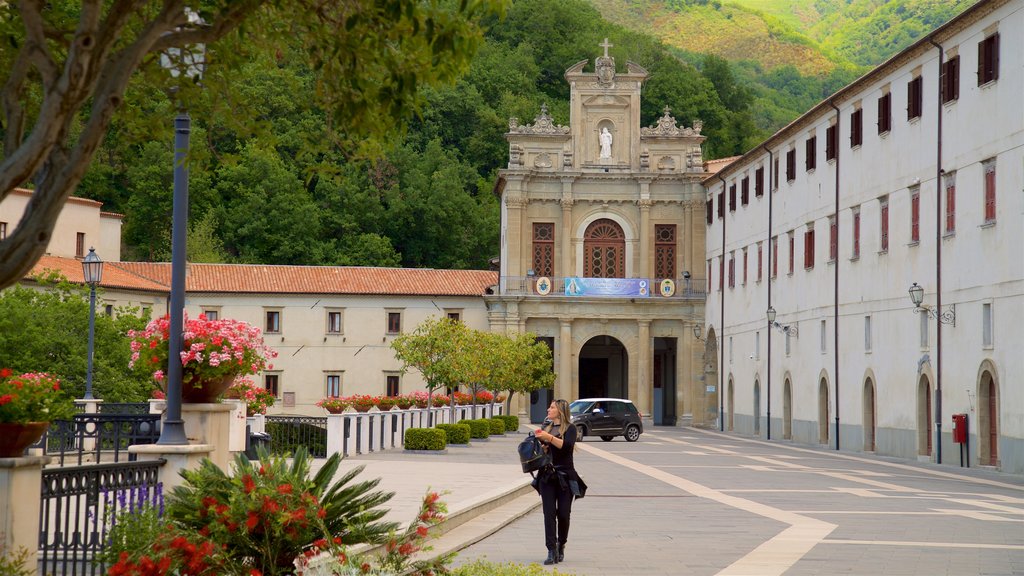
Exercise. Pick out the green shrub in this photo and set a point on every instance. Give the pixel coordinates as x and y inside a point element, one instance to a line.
<point>497,426</point>
<point>511,422</point>
<point>480,428</point>
<point>456,433</point>
<point>425,439</point>
<point>485,568</point>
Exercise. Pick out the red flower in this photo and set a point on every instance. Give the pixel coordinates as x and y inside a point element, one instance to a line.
<point>5,372</point>
<point>248,483</point>
<point>422,531</point>
<point>365,567</point>
<point>284,489</point>
<point>255,572</point>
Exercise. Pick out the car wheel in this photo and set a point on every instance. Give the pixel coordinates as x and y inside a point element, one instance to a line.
<point>607,438</point>
<point>632,433</point>
<point>582,431</point>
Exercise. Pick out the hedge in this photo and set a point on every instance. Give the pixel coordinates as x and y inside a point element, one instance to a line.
<point>425,439</point>
<point>511,422</point>
<point>480,428</point>
<point>456,433</point>
<point>497,426</point>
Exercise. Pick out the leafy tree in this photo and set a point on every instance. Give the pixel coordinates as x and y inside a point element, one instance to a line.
<point>70,65</point>
<point>521,363</point>
<point>41,330</point>
<point>433,349</point>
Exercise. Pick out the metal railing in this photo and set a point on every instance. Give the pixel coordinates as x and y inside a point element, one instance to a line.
<point>78,505</point>
<point>685,288</point>
<point>98,437</point>
<point>289,432</point>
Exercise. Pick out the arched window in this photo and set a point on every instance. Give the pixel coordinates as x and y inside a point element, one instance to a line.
<point>604,250</point>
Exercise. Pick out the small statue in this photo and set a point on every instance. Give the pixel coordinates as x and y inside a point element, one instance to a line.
<point>606,143</point>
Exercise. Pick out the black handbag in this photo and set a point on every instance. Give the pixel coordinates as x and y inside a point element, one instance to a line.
<point>532,455</point>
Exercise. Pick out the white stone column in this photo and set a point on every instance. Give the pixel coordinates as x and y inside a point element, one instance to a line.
<point>563,383</point>
<point>644,368</point>
<point>92,406</point>
<point>645,234</point>
<point>210,423</point>
<point>180,457</point>
<point>21,481</point>
<point>236,428</point>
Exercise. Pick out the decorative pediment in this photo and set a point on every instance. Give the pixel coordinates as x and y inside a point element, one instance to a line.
<point>666,126</point>
<point>607,100</point>
<point>542,124</point>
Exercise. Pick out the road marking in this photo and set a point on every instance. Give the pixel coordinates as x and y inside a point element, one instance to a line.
<point>926,544</point>
<point>774,556</point>
<point>989,505</point>
<point>977,515</point>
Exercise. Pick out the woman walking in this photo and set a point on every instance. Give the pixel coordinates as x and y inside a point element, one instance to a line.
<point>558,484</point>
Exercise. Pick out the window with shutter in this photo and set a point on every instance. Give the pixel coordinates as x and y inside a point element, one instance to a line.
<point>775,175</point>
<point>915,98</point>
<point>745,190</point>
<point>792,252</point>
<point>915,216</point>
<point>544,249</point>
<point>811,147</point>
<point>760,268</point>
<point>774,256</point>
<point>990,190</point>
<point>759,182</point>
<point>745,268</point>
<point>791,165</point>
<point>732,197</point>
<point>732,270</point>
<point>949,80</point>
<point>884,217</point>
<point>833,239</point>
<point>856,233</point>
<point>856,128</point>
<point>809,249</point>
<point>988,59</point>
<point>721,203</point>
<point>950,204</point>
<point>831,139</point>
<point>885,113</point>
<point>710,210</point>
<point>604,249</point>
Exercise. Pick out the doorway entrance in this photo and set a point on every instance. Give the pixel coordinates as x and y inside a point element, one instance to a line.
<point>664,382</point>
<point>924,417</point>
<point>603,369</point>
<point>988,423</point>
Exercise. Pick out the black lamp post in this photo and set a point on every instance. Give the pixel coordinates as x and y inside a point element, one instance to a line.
<point>92,271</point>
<point>187,62</point>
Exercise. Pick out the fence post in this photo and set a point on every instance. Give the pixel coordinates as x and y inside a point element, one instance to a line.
<point>210,423</point>
<point>257,423</point>
<point>92,406</point>
<point>21,481</point>
<point>335,434</point>
<point>178,456</point>
<point>236,427</point>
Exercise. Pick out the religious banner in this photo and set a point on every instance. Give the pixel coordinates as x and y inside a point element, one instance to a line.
<point>634,287</point>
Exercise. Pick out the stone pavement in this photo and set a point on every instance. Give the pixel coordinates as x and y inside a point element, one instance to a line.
<point>687,501</point>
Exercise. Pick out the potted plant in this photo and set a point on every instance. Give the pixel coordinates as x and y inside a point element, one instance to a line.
<point>405,401</point>
<point>484,397</point>
<point>257,398</point>
<point>463,399</point>
<point>363,402</point>
<point>334,404</point>
<point>214,353</point>
<point>440,400</point>
<point>385,403</point>
<point>28,403</point>
<point>419,399</point>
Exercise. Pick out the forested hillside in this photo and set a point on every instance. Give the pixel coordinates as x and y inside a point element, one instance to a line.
<point>272,181</point>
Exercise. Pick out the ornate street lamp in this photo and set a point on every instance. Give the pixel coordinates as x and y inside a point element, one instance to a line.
<point>92,271</point>
<point>188,62</point>
<point>697,333</point>
<point>917,297</point>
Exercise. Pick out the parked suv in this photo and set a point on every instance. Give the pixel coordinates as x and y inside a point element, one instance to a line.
<point>607,418</point>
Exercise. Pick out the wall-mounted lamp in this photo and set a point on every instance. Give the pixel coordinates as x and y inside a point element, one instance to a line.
<point>917,297</point>
<point>697,333</point>
<point>791,329</point>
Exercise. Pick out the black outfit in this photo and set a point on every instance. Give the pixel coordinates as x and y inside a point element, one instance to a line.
<point>559,485</point>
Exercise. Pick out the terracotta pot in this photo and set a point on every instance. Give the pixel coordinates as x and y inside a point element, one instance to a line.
<point>15,437</point>
<point>362,408</point>
<point>205,390</point>
<point>338,410</point>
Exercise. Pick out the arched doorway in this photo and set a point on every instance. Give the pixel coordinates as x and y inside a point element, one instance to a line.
<point>714,407</point>
<point>732,405</point>
<point>604,250</point>
<point>603,369</point>
<point>868,412</point>
<point>757,408</point>
<point>823,412</point>
<point>787,410</point>
<point>924,416</point>
<point>988,420</point>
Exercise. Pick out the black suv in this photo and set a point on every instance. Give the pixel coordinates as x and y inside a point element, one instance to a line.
<point>607,418</point>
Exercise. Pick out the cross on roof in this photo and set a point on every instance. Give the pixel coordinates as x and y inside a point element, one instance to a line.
<point>606,46</point>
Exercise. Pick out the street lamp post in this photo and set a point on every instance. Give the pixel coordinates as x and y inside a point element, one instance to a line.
<point>92,271</point>
<point>187,62</point>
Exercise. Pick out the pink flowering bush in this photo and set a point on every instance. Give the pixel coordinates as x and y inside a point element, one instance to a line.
<point>257,398</point>
<point>32,397</point>
<point>212,349</point>
<point>419,398</point>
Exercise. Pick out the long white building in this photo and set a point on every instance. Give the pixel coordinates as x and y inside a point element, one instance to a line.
<point>911,175</point>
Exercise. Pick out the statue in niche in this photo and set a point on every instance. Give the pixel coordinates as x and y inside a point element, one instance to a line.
<point>606,143</point>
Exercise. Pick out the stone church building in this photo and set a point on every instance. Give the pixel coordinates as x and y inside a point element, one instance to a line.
<point>602,247</point>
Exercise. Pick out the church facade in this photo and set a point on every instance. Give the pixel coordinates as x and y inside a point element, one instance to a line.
<point>602,248</point>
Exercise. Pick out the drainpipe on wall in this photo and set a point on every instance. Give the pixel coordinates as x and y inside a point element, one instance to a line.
<point>768,332</point>
<point>835,287</point>
<point>938,260</point>
<point>721,282</point>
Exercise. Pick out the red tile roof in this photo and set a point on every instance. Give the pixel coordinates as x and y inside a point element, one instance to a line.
<point>265,279</point>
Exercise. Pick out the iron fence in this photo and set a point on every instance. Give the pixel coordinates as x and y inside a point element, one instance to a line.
<point>98,437</point>
<point>124,408</point>
<point>289,432</point>
<point>77,508</point>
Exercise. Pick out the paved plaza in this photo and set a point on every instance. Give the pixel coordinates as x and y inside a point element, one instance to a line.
<point>687,501</point>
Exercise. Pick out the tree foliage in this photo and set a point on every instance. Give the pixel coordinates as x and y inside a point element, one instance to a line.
<point>70,69</point>
<point>42,330</point>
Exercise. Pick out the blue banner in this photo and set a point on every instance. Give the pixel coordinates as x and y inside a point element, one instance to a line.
<point>635,287</point>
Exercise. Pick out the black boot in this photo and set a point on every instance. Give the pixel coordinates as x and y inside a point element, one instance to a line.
<point>561,552</point>
<point>552,558</point>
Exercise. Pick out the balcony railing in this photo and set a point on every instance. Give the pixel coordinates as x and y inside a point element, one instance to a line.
<point>683,288</point>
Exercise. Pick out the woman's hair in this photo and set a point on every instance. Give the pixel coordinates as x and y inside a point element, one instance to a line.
<point>563,415</point>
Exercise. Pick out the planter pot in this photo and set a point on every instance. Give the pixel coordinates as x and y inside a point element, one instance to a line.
<point>204,390</point>
<point>335,410</point>
<point>15,437</point>
<point>362,408</point>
